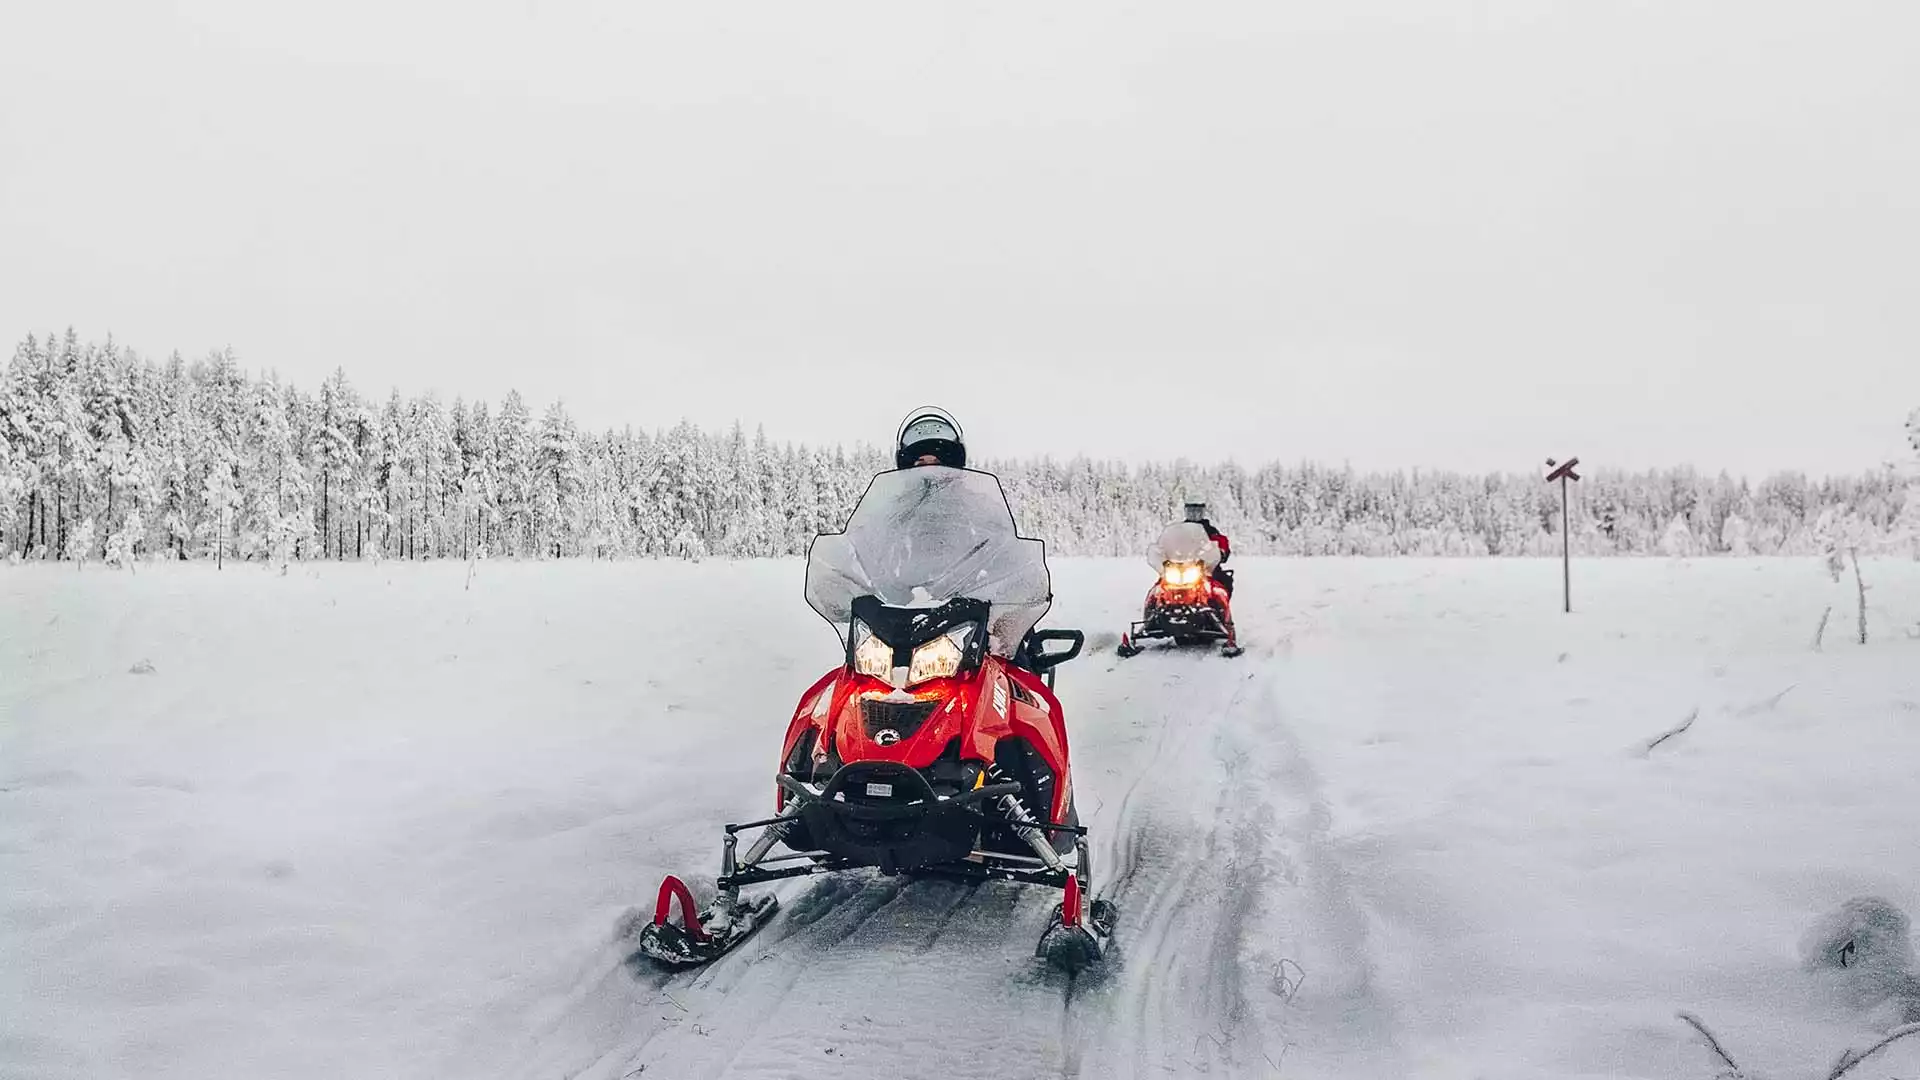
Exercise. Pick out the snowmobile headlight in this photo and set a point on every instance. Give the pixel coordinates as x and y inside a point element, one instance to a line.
<point>941,657</point>
<point>871,656</point>
<point>1180,575</point>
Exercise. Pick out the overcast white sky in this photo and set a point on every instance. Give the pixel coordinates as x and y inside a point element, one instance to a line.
<point>1646,233</point>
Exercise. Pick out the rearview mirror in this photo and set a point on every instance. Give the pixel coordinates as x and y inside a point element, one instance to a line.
<point>1044,659</point>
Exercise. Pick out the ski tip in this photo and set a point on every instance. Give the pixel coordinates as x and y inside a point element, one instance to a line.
<point>1075,946</point>
<point>672,889</point>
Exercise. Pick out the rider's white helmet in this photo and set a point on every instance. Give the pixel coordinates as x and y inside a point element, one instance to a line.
<point>930,432</point>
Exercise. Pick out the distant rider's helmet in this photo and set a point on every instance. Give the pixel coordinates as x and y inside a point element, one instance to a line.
<point>930,436</point>
<point>1196,511</point>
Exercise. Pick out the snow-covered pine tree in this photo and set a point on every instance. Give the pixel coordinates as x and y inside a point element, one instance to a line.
<point>1734,536</point>
<point>515,446</point>
<point>80,542</point>
<point>16,437</point>
<point>1678,542</point>
<point>221,494</point>
<point>335,458</point>
<point>122,546</point>
<point>277,497</point>
<point>556,481</point>
<point>424,457</point>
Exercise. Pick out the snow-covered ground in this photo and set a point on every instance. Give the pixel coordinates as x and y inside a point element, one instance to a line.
<point>362,821</point>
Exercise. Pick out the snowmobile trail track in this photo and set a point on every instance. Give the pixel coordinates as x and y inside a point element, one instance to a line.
<point>766,1011</point>
<point>660,1001</point>
<point>1175,985</point>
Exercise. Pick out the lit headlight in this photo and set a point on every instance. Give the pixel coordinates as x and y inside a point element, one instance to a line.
<point>1179,575</point>
<point>939,658</point>
<point>872,656</point>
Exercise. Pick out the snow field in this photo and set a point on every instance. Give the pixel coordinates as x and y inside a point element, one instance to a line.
<point>360,820</point>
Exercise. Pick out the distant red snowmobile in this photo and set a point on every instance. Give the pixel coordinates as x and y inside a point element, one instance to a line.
<point>938,747</point>
<point>1192,601</point>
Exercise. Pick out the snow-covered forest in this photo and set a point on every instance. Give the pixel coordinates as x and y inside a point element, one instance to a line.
<point>107,455</point>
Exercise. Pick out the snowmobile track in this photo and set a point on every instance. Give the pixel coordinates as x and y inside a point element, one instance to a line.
<point>1183,906</point>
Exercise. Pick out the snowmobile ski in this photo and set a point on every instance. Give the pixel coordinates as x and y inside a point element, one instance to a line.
<point>703,937</point>
<point>1078,933</point>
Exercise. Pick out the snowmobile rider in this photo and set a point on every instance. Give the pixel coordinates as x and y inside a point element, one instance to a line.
<point>1197,514</point>
<point>932,437</point>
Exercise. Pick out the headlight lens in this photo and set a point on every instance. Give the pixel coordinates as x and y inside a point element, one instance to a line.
<point>1179,575</point>
<point>939,658</point>
<point>872,656</point>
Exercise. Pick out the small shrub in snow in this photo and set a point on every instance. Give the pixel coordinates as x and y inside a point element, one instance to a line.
<point>122,544</point>
<point>1841,537</point>
<point>1868,940</point>
<point>1734,536</point>
<point>80,542</point>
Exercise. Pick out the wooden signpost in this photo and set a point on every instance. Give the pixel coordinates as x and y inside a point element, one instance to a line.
<point>1564,473</point>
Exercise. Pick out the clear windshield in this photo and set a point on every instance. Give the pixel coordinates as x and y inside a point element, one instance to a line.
<point>1186,542</point>
<point>921,537</point>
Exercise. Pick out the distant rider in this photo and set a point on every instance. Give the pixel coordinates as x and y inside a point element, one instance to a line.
<point>1197,514</point>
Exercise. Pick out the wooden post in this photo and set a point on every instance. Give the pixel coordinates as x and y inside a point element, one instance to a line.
<point>1566,550</point>
<point>1564,473</point>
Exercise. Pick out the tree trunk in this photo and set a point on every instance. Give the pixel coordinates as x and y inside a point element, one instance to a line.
<point>326,499</point>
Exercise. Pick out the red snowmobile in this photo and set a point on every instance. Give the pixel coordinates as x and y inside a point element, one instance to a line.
<point>937,748</point>
<point>1192,602</point>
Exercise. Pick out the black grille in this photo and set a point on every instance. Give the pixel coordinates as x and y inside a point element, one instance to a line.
<point>904,717</point>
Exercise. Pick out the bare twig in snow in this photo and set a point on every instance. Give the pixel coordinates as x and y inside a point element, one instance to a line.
<point>1855,554</point>
<point>1769,704</point>
<point>1849,1059</point>
<point>676,1004</point>
<point>1684,725</point>
<point>1821,632</point>
<point>1734,1072</point>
